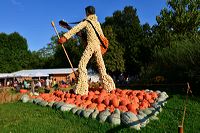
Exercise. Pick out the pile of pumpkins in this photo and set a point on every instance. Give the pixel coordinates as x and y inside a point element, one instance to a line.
<point>131,107</point>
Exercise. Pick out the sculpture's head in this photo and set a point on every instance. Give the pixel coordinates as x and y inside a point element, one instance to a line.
<point>89,10</point>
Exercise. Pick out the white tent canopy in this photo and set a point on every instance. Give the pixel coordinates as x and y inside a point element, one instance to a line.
<point>46,73</point>
<point>5,75</point>
<point>39,74</point>
<point>42,72</point>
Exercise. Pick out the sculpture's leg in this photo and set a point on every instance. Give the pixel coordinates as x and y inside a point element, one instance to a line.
<point>107,81</point>
<point>82,86</point>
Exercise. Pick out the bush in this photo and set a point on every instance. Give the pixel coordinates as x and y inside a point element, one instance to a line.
<point>177,63</point>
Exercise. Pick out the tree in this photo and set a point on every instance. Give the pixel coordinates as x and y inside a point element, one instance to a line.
<point>14,53</point>
<point>114,60</point>
<point>44,57</point>
<point>131,36</point>
<point>182,17</point>
<point>180,62</point>
<point>176,39</point>
<point>74,51</point>
<point>38,62</point>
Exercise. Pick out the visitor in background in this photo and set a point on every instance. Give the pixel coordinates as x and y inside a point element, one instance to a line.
<point>51,82</point>
<point>47,83</point>
<point>8,83</point>
<point>39,84</point>
<point>25,84</point>
<point>33,86</point>
<point>55,84</point>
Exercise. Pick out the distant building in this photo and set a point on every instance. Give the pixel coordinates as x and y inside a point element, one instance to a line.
<point>60,74</point>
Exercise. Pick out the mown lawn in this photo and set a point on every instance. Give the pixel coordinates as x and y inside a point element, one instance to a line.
<point>26,117</point>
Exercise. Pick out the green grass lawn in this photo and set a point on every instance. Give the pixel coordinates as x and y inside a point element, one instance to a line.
<point>26,117</point>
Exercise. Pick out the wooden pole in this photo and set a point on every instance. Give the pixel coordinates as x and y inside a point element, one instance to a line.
<point>53,24</point>
<point>180,127</point>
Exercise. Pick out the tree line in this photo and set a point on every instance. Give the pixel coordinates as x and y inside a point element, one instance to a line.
<point>170,48</point>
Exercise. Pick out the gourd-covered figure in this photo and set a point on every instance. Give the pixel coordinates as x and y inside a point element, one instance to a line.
<point>93,47</point>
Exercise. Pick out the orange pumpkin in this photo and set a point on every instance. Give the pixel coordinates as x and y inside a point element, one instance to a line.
<point>106,101</point>
<point>100,99</point>
<point>144,105</point>
<point>154,95</point>
<point>103,91</point>
<point>87,102</point>
<point>140,97</point>
<point>115,102</point>
<point>101,107</point>
<point>135,99</point>
<point>123,108</point>
<point>151,101</point>
<point>23,91</point>
<point>71,101</point>
<point>118,90</point>
<point>97,92</point>
<point>92,106</point>
<point>73,95</point>
<point>123,102</point>
<point>111,108</point>
<point>123,92</point>
<point>91,93</point>
<point>78,97</point>
<point>83,97</point>
<point>131,107</point>
<point>63,96</point>
<point>89,97</point>
<point>134,111</point>
<point>79,102</point>
<point>67,95</point>
<point>147,96</point>
<point>112,92</point>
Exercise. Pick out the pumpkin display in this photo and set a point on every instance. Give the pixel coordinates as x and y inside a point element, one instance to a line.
<point>133,108</point>
<point>124,100</point>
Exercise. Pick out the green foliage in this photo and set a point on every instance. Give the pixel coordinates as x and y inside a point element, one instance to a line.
<point>37,62</point>
<point>179,62</point>
<point>129,34</point>
<point>176,43</point>
<point>13,50</point>
<point>183,17</point>
<point>113,59</point>
<point>73,50</point>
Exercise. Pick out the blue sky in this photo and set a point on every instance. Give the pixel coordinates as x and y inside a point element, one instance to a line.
<point>32,18</point>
